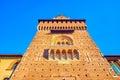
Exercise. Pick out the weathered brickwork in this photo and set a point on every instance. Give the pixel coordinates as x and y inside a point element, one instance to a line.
<point>62,49</point>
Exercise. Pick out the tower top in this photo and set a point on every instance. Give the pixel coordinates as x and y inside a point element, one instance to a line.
<point>61,22</point>
<point>61,17</point>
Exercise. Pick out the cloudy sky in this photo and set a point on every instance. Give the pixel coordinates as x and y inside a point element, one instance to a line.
<point>19,19</point>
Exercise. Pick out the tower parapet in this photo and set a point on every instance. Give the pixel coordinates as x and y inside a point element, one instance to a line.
<point>62,23</point>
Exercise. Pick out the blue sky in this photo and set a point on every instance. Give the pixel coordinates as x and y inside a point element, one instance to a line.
<point>19,18</point>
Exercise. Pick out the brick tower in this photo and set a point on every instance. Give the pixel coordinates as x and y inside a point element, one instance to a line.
<point>62,49</point>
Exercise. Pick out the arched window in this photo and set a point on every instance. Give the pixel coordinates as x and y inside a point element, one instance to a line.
<point>44,28</point>
<point>50,28</point>
<point>58,54</point>
<point>69,54</point>
<point>62,41</point>
<point>47,28</point>
<point>41,28</point>
<point>77,27</point>
<point>64,54</point>
<point>75,54</point>
<point>68,27</point>
<point>55,28</point>
<point>82,28</point>
<point>67,43</point>
<point>58,43</point>
<point>52,54</point>
<point>74,27</point>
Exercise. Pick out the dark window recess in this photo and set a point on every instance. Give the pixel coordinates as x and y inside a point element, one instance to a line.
<point>45,55</point>
<point>15,66</point>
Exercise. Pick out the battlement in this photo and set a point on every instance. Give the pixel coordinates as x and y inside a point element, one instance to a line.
<point>61,24</point>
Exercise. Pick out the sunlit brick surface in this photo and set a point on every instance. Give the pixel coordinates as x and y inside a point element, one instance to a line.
<point>67,55</point>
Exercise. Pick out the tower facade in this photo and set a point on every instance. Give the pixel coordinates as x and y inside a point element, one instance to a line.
<point>62,49</point>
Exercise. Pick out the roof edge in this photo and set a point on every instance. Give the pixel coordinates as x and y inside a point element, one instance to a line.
<point>84,20</point>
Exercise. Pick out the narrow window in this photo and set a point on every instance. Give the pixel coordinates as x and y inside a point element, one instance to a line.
<point>58,43</point>
<point>52,54</point>
<point>58,54</point>
<point>69,54</point>
<point>63,54</point>
<point>75,54</point>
